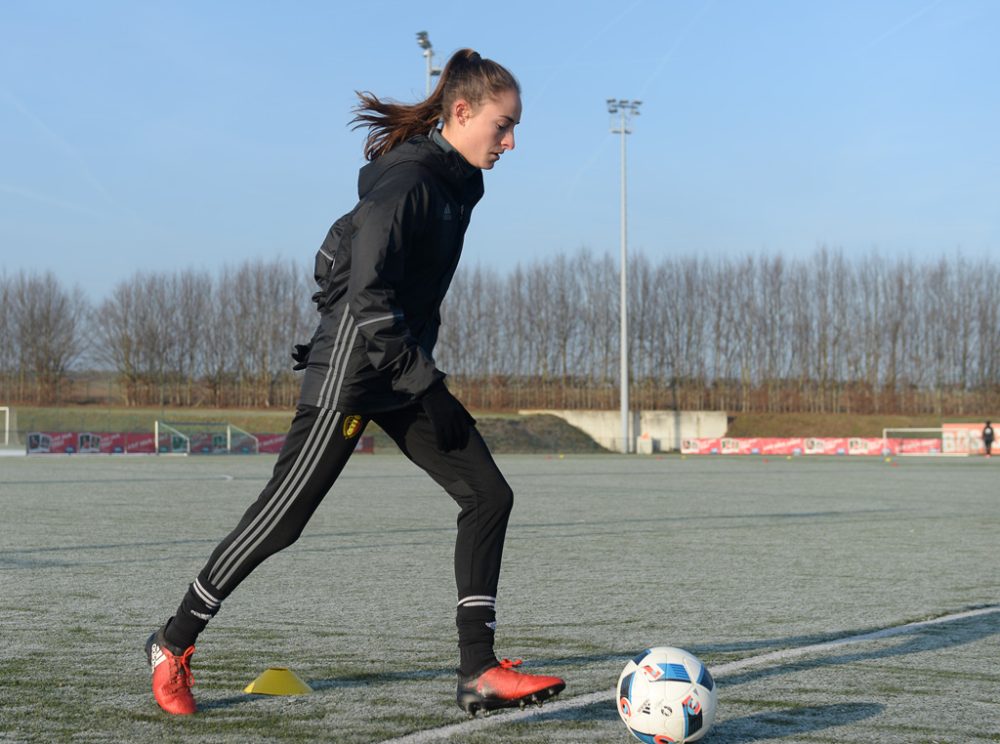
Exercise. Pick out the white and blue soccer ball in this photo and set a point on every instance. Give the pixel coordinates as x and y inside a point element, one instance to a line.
<point>666,694</point>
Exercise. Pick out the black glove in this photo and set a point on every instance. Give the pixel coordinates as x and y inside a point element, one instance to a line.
<point>301,355</point>
<point>451,422</point>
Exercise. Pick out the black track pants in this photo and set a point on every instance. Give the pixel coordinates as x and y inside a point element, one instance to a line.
<point>471,477</point>
<point>316,449</point>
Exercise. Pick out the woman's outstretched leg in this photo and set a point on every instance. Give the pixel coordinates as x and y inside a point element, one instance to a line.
<point>316,449</point>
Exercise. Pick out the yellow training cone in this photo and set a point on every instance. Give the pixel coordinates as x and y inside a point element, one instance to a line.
<point>278,681</point>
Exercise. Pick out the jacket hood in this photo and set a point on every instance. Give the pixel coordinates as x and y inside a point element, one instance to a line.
<point>450,166</point>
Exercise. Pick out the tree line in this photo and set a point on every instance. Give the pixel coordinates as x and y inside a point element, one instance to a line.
<point>186,338</point>
<point>818,333</point>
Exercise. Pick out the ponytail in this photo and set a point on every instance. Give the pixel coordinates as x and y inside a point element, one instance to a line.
<point>466,76</point>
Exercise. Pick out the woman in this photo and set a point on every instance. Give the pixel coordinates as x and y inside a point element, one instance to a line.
<point>383,272</point>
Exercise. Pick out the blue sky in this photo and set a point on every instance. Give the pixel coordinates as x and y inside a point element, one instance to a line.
<point>156,135</point>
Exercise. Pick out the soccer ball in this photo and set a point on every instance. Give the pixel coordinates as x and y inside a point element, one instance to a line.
<point>666,694</point>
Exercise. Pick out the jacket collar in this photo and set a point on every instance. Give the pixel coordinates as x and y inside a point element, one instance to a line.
<point>447,162</point>
<point>459,165</point>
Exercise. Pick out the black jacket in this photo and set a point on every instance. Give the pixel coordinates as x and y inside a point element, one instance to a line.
<point>383,271</point>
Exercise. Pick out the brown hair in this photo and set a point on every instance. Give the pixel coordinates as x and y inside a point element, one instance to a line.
<point>466,76</point>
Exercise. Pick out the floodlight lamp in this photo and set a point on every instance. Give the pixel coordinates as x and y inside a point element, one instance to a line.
<point>422,40</point>
<point>612,106</point>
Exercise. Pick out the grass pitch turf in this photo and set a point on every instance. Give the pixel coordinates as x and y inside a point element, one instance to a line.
<point>731,558</point>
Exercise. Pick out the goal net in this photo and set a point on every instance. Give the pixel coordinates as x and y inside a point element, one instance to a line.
<point>208,438</point>
<point>955,440</point>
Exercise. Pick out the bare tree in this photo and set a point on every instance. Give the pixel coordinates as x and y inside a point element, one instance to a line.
<point>217,357</point>
<point>191,295</point>
<point>134,333</point>
<point>598,302</point>
<point>116,342</point>
<point>983,287</point>
<point>9,388</point>
<point>45,322</point>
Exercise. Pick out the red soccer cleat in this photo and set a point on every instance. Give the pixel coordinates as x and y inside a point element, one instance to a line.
<point>172,677</point>
<point>502,687</point>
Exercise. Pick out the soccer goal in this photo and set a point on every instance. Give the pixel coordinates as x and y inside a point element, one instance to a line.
<point>241,442</point>
<point>170,441</point>
<point>930,441</point>
<point>210,438</point>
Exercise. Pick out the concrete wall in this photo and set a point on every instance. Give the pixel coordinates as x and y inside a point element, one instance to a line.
<point>650,431</point>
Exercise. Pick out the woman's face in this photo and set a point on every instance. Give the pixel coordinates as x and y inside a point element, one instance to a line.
<point>482,134</point>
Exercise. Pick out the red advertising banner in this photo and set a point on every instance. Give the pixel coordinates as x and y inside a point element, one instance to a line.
<point>130,443</point>
<point>783,446</point>
<point>274,443</point>
<point>56,442</point>
<point>829,446</point>
<point>87,442</point>
<point>826,445</point>
<point>914,446</point>
<point>140,444</point>
<point>268,443</point>
<point>873,446</point>
<point>700,446</point>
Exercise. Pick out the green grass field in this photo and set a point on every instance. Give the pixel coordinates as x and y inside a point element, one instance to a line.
<point>731,558</point>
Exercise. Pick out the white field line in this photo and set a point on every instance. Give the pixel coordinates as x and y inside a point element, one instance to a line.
<point>719,671</point>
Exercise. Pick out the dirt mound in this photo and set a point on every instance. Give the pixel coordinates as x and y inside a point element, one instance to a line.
<point>537,434</point>
<point>541,433</point>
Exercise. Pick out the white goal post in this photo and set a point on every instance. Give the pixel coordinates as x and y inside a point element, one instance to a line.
<point>6,425</point>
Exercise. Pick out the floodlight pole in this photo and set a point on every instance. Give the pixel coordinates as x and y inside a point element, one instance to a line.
<point>425,43</point>
<point>625,110</point>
